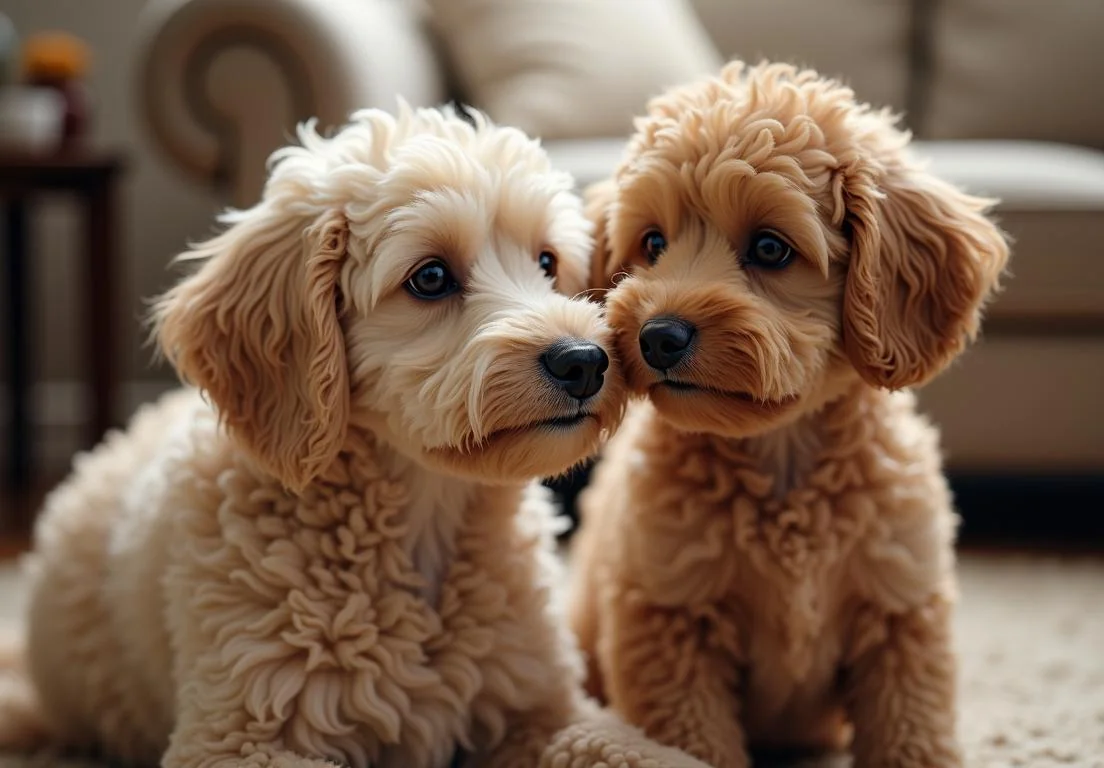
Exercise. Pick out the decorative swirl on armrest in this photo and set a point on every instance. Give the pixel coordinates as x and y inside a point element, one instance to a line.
<point>329,58</point>
<point>224,127</point>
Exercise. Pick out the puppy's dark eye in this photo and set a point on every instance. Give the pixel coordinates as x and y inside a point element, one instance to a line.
<point>432,281</point>
<point>547,261</point>
<point>768,250</point>
<point>653,244</point>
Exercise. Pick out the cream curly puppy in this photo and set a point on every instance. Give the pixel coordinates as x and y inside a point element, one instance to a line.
<point>338,561</point>
<point>766,556</point>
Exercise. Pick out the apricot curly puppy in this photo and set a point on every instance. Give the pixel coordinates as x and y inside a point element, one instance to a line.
<point>352,572</point>
<point>766,557</point>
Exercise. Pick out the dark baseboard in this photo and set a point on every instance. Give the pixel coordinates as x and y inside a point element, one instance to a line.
<point>997,509</point>
<point>1041,510</point>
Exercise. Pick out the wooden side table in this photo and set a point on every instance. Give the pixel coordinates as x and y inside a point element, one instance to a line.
<point>90,177</point>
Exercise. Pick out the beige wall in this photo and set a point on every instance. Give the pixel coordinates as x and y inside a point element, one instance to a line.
<point>161,209</point>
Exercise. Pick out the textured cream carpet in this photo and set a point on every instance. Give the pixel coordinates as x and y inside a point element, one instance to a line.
<point>1031,636</point>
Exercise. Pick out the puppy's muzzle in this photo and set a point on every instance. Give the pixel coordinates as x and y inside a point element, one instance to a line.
<point>665,341</point>
<point>576,367</point>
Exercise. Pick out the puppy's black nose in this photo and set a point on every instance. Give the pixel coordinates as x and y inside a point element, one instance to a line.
<point>576,366</point>
<point>664,341</point>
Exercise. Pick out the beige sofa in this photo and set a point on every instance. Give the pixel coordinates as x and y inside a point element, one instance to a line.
<point>1002,95</point>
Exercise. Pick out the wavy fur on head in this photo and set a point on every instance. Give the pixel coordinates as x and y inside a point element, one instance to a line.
<point>336,561</point>
<point>766,549</point>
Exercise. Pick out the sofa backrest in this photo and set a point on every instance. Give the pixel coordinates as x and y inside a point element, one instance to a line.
<point>864,42</point>
<point>1015,69</point>
<point>958,69</point>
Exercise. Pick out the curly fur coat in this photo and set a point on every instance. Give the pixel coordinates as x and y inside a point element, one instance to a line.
<point>766,555</point>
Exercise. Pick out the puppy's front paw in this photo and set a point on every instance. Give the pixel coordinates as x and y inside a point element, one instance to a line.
<point>603,740</point>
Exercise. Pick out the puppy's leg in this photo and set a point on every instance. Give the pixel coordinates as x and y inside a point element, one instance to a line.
<point>263,758</point>
<point>664,672</point>
<point>223,721</point>
<point>584,610</point>
<point>901,694</point>
<point>599,738</point>
<point>528,736</point>
<point>203,746</point>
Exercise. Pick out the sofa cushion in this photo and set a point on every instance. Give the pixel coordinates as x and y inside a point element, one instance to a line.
<point>864,42</point>
<point>1056,271</point>
<point>571,68</point>
<point>1025,175</point>
<point>1052,204</point>
<point>588,160</point>
<point>1016,69</point>
<point>1021,402</point>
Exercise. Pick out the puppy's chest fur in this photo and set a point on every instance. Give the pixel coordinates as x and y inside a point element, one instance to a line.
<point>787,544</point>
<point>374,620</point>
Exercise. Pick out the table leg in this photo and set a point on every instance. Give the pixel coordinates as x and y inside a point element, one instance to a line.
<point>100,340</point>
<point>18,323</point>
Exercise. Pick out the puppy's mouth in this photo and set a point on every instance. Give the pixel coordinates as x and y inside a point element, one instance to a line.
<point>728,394</point>
<point>564,422</point>
<point>553,424</point>
<point>516,453</point>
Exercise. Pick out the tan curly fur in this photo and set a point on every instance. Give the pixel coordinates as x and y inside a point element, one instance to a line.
<point>339,560</point>
<point>766,553</point>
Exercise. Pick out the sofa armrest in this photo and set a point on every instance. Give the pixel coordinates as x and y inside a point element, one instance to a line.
<point>222,83</point>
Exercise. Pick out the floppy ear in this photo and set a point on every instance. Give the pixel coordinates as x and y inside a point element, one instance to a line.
<point>257,329</point>
<point>924,260</point>
<point>597,203</point>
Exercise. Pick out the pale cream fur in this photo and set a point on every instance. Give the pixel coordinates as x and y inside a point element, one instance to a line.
<point>340,560</point>
<point>766,553</point>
